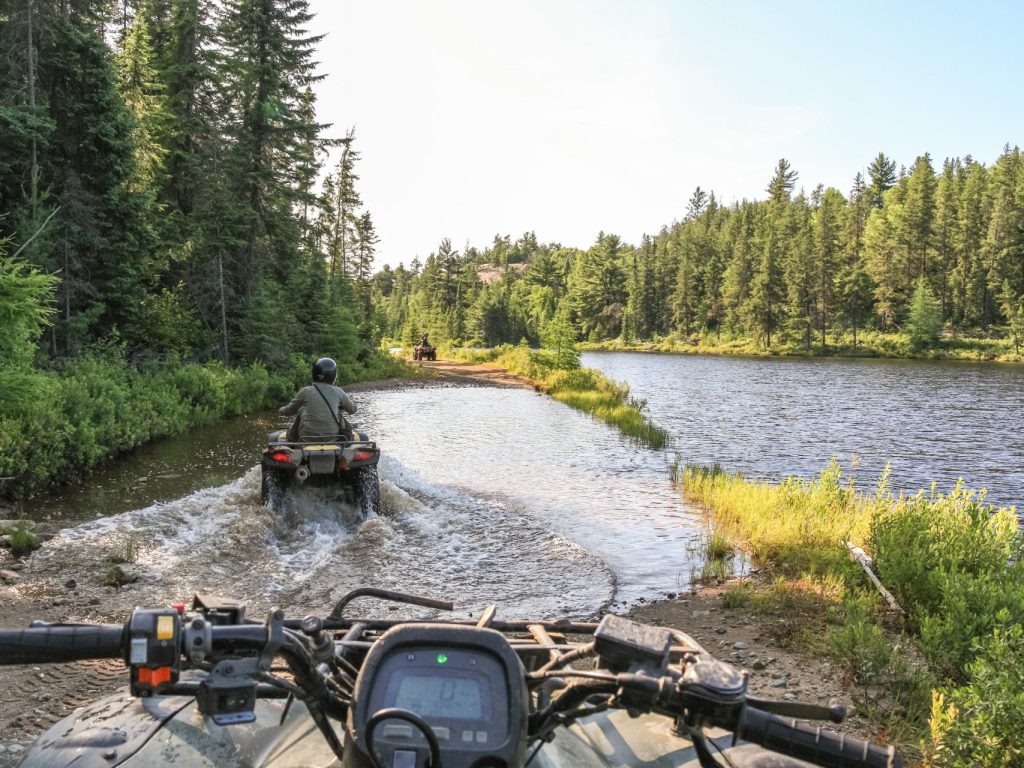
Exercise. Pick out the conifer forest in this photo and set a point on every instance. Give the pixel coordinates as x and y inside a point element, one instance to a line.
<point>920,250</point>
<point>175,218</point>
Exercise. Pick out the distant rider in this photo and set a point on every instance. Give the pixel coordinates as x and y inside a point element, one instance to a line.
<point>318,408</point>
<point>424,341</point>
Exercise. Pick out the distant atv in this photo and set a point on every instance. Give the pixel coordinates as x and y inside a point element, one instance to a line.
<point>424,352</point>
<point>349,465</point>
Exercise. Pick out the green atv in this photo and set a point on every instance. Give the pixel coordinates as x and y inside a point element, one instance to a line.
<point>349,465</point>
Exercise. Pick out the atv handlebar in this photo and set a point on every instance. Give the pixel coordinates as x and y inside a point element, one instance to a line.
<point>812,743</point>
<point>45,643</point>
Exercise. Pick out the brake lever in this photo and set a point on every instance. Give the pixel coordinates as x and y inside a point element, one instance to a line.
<point>835,714</point>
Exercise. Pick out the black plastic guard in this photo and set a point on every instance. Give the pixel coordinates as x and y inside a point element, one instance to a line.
<point>103,734</point>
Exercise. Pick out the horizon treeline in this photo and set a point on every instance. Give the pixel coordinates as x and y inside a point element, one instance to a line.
<point>798,266</point>
<point>161,160</point>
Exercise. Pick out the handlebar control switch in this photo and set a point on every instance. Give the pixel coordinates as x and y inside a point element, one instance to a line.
<point>154,649</point>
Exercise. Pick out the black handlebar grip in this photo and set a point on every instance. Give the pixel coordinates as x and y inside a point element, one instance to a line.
<point>61,642</point>
<point>812,743</point>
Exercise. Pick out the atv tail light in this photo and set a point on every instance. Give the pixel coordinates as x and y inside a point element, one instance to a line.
<point>283,457</point>
<point>362,456</point>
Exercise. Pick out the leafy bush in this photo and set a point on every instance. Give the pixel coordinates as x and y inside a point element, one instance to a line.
<point>24,541</point>
<point>99,406</point>
<point>859,644</point>
<point>983,723</point>
<point>954,563</point>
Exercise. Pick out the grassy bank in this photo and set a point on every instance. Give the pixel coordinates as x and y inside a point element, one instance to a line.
<point>63,423</point>
<point>946,679</point>
<point>582,388</point>
<point>869,344</point>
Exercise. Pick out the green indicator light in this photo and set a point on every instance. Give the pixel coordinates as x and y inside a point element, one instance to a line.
<point>441,658</point>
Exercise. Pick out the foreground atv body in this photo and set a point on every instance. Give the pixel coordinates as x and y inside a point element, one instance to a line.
<point>424,352</point>
<point>170,730</point>
<point>397,693</point>
<point>348,465</point>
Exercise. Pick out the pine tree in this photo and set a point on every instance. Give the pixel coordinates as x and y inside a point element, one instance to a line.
<point>947,203</point>
<point>925,319</point>
<point>796,241</point>
<point>882,173</point>
<point>781,186</point>
<point>970,274</point>
<point>915,220</point>
<point>765,308</point>
<point>346,205</point>
<point>597,288</point>
<point>828,228</point>
<point>103,241</point>
<point>853,284</point>
<point>268,67</point>
<point>362,264</point>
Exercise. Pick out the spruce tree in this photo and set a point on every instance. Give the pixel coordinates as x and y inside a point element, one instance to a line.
<point>882,174</point>
<point>925,319</point>
<point>783,182</point>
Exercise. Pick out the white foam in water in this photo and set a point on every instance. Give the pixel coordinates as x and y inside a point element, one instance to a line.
<point>430,540</point>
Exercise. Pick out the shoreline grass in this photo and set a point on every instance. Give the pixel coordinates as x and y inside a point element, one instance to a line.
<point>584,389</point>
<point>952,681</point>
<point>870,345</point>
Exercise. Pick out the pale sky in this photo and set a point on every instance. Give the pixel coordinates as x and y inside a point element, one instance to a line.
<point>569,117</point>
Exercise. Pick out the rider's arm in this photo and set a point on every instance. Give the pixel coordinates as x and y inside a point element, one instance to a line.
<point>346,403</point>
<point>293,407</point>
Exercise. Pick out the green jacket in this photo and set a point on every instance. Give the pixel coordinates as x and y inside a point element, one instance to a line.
<point>315,417</point>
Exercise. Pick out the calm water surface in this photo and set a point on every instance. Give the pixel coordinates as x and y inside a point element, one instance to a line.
<point>770,418</point>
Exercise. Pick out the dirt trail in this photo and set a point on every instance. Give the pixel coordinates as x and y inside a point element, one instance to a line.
<point>476,373</point>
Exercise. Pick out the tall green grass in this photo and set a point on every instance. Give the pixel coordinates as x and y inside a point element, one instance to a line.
<point>954,562</point>
<point>797,525</point>
<point>585,389</point>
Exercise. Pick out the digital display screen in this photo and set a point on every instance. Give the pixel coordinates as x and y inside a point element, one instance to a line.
<point>432,695</point>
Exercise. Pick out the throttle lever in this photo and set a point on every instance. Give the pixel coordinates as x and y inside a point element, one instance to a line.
<point>835,714</point>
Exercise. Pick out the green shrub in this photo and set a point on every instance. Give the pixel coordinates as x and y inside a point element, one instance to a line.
<point>24,541</point>
<point>99,405</point>
<point>954,563</point>
<point>982,723</point>
<point>859,644</point>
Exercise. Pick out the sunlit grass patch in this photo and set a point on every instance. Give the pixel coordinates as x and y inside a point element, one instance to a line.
<point>584,389</point>
<point>798,525</point>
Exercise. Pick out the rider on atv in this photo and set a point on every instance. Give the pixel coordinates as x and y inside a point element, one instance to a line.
<point>318,408</point>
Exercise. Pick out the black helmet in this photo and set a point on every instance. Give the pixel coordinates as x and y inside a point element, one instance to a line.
<point>325,370</point>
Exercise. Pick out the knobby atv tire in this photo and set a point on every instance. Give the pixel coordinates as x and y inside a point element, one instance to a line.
<point>367,492</point>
